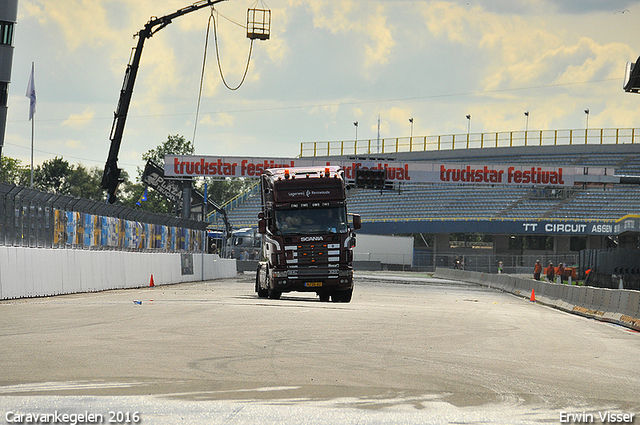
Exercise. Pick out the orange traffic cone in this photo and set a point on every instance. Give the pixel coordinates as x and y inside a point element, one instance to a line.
<point>533,295</point>
<point>151,284</point>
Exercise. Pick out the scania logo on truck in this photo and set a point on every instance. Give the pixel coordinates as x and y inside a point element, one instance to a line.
<point>311,238</point>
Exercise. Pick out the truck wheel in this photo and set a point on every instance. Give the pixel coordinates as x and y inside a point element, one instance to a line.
<point>346,296</point>
<point>274,294</point>
<point>262,293</point>
<point>324,297</point>
<point>342,296</point>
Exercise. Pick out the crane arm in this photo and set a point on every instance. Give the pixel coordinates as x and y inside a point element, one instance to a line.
<point>111,175</point>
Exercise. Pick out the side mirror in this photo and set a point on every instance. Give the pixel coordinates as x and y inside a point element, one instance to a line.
<point>262,226</point>
<point>357,221</point>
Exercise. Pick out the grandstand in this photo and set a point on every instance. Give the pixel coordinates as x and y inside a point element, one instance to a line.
<point>504,212</point>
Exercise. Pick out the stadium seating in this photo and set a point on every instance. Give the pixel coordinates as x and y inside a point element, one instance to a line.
<point>411,202</point>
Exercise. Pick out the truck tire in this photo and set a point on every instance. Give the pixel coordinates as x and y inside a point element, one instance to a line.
<point>324,297</point>
<point>262,293</point>
<point>342,296</point>
<point>274,294</point>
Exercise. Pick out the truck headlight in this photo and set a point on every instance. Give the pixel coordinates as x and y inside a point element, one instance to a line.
<point>279,273</point>
<point>345,273</point>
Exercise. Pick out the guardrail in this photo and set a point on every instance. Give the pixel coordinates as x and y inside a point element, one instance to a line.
<point>620,306</point>
<point>471,141</point>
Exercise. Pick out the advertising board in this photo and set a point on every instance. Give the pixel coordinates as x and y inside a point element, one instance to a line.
<point>406,172</point>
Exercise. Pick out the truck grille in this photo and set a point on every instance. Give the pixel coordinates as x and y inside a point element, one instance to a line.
<point>313,272</point>
<point>312,259</point>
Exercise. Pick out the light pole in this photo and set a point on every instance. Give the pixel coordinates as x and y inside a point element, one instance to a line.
<point>411,125</point>
<point>468,124</point>
<point>526,126</point>
<point>586,111</point>
<point>378,147</point>
<point>356,125</point>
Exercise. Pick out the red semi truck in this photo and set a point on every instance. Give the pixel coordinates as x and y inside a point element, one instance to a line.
<point>307,239</point>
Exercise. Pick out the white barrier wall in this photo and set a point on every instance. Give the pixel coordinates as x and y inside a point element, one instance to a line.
<point>34,272</point>
<point>383,248</point>
<point>619,306</point>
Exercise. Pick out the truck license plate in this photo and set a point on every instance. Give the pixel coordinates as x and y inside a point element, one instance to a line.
<point>309,284</point>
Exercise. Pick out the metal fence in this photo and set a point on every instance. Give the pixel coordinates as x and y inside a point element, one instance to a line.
<point>614,269</point>
<point>591,136</point>
<point>36,219</point>
<point>489,262</point>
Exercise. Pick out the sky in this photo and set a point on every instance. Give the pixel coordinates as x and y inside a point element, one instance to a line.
<point>326,65</point>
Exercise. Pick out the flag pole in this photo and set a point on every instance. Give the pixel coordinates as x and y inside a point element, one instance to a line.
<point>31,94</point>
<point>33,120</point>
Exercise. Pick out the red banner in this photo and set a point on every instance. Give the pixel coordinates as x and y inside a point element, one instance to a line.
<point>408,171</point>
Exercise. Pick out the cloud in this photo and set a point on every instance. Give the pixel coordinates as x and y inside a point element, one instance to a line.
<point>79,120</point>
<point>367,23</point>
<point>81,21</point>
<point>217,120</point>
<point>74,144</point>
<point>523,51</point>
<point>327,64</point>
<point>588,6</point>
<point>381,36</point>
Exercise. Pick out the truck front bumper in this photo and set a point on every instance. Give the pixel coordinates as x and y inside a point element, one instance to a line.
<point>312,283</point>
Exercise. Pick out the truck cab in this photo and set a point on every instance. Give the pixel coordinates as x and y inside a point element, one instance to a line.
<point>307,238</point>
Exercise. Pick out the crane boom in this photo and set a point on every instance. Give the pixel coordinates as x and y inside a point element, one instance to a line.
<point>111,176</point>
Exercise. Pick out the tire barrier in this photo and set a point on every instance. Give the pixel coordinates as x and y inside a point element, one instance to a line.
<point>618,306</point>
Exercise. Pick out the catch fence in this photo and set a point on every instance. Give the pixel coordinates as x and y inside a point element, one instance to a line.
<point>424,259</point>
<point>36,219</point>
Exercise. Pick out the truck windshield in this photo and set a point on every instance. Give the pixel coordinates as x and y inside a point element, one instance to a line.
<point>311,221</point>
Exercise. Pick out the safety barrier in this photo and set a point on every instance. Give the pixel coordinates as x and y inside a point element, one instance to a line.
<point>618,306</point>
<point>54,244</point>
<point>26,272</point>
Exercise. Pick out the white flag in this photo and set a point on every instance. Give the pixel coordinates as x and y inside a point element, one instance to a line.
<point>31,94</point>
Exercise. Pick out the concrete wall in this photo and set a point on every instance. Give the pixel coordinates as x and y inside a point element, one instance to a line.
<point>34,272</point>
<point>619,306</point>
<point>384,249</point>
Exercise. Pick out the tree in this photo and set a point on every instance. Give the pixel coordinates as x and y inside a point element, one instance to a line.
<point>12,171</point>
<point>83,183</point>
<point>132,192</point>
<point>52,175</point>
<point>221,191</point>
<point>175,145</point>
<point>218,190</point>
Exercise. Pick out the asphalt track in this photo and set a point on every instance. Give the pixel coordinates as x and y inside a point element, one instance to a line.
<point>407,349</point>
